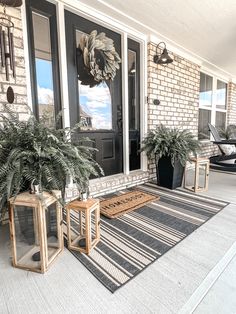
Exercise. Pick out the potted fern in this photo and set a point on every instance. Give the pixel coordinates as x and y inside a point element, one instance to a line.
<point>32,153</point>
<point>171,149</point>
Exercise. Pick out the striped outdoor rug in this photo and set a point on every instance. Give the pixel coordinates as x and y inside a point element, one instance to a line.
<point>132,242</point>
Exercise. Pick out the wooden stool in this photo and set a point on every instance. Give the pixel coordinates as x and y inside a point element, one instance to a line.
<point>199,162</point>
<point>81,236</point>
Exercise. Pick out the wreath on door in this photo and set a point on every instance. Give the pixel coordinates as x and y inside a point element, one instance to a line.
<point>100,61</point>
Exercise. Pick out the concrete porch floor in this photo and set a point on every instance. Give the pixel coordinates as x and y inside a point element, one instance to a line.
<point>196,276</point>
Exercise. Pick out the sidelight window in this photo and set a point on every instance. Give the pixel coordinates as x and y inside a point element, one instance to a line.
<point>44,63</point>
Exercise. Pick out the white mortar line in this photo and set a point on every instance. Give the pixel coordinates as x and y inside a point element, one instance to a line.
<point>199,294</point>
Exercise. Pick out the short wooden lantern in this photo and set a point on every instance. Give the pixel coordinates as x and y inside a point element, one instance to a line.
<point>200,165</point>
<point>36,230</point>
<point>83,224</point>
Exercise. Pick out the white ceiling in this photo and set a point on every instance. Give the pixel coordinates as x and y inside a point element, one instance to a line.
<point>206,28</point>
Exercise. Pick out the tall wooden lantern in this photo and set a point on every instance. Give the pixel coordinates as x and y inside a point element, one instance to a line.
<point>36,230</point>
<point>197,181</point>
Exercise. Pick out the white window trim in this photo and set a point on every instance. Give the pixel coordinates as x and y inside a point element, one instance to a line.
<point>213,107</point>
<point>125,101</point>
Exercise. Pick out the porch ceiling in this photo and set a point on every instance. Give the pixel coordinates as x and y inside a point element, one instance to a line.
<point>205,28</point>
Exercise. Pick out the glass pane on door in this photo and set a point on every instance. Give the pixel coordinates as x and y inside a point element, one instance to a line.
<point>95,104</point>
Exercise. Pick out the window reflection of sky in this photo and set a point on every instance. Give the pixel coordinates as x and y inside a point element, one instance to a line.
<point>44,81</point>
<point>221,98</point>
<point>205,98</point>
<point>95,103</point>
<point>45,91</point>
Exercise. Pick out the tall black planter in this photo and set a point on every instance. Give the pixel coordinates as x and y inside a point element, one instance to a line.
<point>168,176</point>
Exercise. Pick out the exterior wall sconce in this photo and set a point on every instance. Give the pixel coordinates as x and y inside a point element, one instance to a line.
<point>164,57</point>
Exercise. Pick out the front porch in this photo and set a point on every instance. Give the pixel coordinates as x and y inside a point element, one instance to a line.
<point>196,88</point>
<point>196,274</point>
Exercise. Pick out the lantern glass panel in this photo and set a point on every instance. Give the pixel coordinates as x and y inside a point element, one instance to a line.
<point>52,225</point>
<point>27,236</point>
<point>77,226</point>
<point>190,177</point>
<point>93,233</point>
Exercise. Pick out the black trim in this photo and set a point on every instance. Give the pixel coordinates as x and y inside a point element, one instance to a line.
<point>220,158</point>
<point>49,10</point>
<point>222,167</point>
<point>134,134</point>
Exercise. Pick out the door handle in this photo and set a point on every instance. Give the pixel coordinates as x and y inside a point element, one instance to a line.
<point>119,123</point>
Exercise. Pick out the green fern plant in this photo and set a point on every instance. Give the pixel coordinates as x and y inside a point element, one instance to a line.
<point>174,143</point>
<point>32,152</point>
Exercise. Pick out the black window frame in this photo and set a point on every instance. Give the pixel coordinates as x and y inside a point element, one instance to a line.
<point>48,10</point>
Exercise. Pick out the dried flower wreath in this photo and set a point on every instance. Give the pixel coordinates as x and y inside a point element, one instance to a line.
<point>99,57</point>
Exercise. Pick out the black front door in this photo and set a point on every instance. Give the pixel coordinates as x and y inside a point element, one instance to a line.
<point>99,108</point>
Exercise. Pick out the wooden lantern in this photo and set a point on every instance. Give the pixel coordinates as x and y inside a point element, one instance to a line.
<point>199,164</point>
<point>83,224</point>
<point>36,230</point>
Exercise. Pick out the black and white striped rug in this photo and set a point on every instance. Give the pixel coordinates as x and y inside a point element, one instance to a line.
<point>132,242</point>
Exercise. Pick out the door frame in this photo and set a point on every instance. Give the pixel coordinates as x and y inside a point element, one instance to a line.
<point>125,32</point>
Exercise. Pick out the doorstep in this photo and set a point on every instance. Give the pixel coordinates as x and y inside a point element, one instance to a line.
<point>110,184</point>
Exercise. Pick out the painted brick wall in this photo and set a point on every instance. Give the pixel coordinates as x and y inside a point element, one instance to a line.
<point>209,149</point>
<point>18,84</point>
<point>176,86</point>
<point>231,109</point>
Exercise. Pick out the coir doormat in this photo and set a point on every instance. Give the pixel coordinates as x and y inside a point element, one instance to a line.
<point>117,206</point>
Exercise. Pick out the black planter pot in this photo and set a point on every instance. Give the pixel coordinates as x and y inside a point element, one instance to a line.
<point>168,176</point>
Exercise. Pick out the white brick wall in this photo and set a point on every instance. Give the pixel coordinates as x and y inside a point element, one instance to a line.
<point>176,86</point>
<point>231,109</point>
<point>18,84</point>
